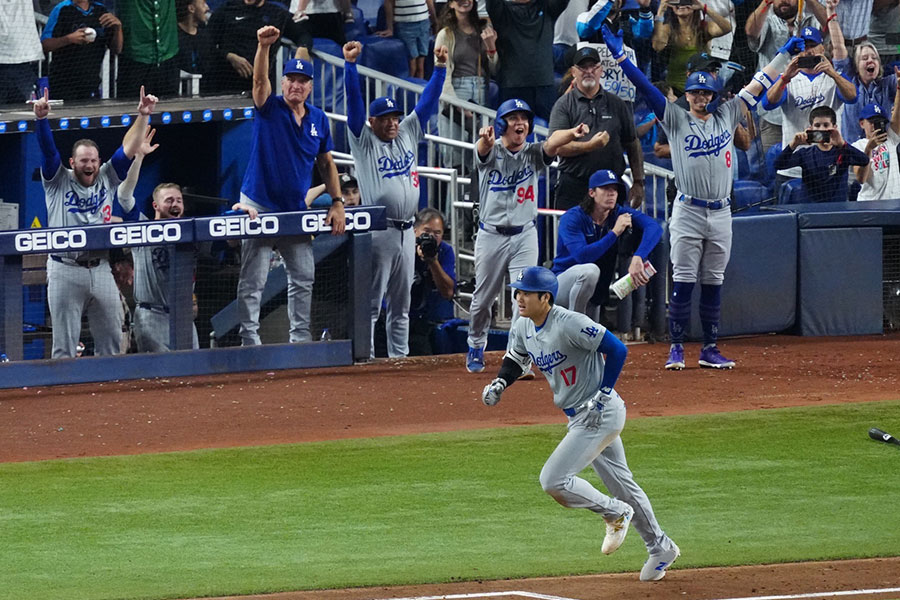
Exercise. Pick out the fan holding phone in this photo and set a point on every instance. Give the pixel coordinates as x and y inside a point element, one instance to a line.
<point>880,179</point>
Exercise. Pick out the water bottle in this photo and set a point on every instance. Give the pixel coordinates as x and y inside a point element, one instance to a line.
<point>326,336</point>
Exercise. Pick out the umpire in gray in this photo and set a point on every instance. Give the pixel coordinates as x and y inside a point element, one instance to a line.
<point>611,135</point>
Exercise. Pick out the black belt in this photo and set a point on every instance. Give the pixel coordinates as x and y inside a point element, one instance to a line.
<point>858,40</point>
<point>710,204</point>
<point>87,264</point>
<point>157,307</point>
<point>571,412</point>
<point>401,225</point>
<point>505,230</point>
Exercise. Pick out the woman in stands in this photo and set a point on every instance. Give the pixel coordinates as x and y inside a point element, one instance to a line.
<point>471,59</point>
<point>684,28</point>
<point>866,74</point>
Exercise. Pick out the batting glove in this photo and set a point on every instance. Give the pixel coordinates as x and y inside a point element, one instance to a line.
<point>491,394</point>
<point>594,408</point>
<point>794,46</point>
<point>613,42</point>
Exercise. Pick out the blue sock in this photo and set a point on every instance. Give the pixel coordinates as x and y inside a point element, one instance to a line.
<point>710,312</point>
<point>680,310</point>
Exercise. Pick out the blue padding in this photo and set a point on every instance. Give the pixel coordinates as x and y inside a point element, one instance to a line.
<point>840,281</point>
<point>743,164</point>
<point>748,192</point>
<point>792,192</point>
<point>847,214</point>
<point>771,154</point>
<point>760,290</point>
<point>665,163</point>
<point>493,95</point>
<point>386,55</point>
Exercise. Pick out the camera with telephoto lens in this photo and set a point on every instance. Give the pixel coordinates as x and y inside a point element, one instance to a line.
<point>429,245</point>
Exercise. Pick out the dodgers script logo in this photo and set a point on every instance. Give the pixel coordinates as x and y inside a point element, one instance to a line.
<point>546,362</point>
<point>801,102</point>
<point>696,146</point>
<point>392,167</point>
<point>89,204</point>
<point>499,183</point>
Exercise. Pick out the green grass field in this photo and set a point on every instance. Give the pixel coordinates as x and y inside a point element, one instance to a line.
<point>736,488</point>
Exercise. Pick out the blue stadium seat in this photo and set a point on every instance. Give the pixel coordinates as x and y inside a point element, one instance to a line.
<point>493,95</point>
<point>747,192</point>
<point>853,191</point>
<point>369,9</point>
<point>792,192</point>
<point>358,28</point>
<point>743,164</point>
<point>381,54</point>
<point>771,155</point>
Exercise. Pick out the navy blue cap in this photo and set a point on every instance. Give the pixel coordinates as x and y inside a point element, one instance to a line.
<point>298,66</point>
<point>872,110</point>
<point>384,106</point>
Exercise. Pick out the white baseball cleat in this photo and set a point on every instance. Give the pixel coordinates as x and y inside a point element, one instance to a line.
<point>616,530</point>
<point>655,567</point>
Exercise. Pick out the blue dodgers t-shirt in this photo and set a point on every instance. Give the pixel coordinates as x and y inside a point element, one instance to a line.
<point>283,153</point>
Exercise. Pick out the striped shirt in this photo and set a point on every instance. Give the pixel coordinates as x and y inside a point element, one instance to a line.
<point>410,11</point>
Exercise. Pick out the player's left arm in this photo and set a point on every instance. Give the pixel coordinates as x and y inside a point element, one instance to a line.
<point>328,170</point>
<point>428,102</point>
<point>766,85</point>
<point>615,352</point>
<point>134,137</point>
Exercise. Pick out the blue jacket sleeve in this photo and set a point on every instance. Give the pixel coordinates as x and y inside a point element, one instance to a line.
<point>654,97</point>
<point>428,102</point>
<point>571,236</point>
<point>788,158</point>
<point>769,106</point>
<point>651,235</point>
<point>615,352</point>
<point>50,163</point>
<point>356,111</point>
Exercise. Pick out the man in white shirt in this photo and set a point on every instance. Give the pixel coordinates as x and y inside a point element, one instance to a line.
<point>20,47</point>
<point>880,178</point>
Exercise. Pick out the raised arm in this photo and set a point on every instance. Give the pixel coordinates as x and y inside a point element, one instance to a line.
<point>50,155</point>
<point>754,26</point>
<point>718,25</point>
<point>126,188</point>
<point>356,110</point>
<point>767,83</point>
<point>661,31</point>
<point>262,87</point>
<point>134,137</point>
<point>428,102</point>
<point>838,48</point>
<point>654,96</point>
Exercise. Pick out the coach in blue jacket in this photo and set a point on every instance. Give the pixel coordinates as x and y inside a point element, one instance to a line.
<point>589,243</point>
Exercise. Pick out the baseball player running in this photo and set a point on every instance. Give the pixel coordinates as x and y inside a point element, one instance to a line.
<point>507,183</point>
<point>702,143</point>
<point>386,163</point>
<point>569,349</point>
<point>83,194</point>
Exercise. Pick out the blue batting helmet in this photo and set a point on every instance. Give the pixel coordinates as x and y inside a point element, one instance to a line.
<point>536,279</point>
<point>701,80</point>
<point>507,108</point>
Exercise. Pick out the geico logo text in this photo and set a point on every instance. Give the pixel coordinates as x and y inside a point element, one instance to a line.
<point>234,226</point>
<point>154,233</point>
<point>64,239</point>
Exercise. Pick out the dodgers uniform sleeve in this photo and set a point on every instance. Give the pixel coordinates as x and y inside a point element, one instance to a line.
<point>427,105</point>
<point>50,155</point>
<point>769,106</point>
<point>615,352</point>
<point>654,97</point>
<point>651,235</point>
<point>854,156</point>
<point>788,158</point>
<point>120,163</point>
<point>571,235</point>
<point>356,111</point>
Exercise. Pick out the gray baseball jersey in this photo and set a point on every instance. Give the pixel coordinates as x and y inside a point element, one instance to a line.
<point>508,184</point>
<point>703,151</point>
<point>386,171</point>
<point>151,274</point>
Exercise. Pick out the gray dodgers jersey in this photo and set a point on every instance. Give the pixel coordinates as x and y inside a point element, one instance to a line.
<point>508,184</point>
<point>386,171</point>
<point>565,350</point>
<point>151,273</point>
<point>703,151</point>
<point>69,203</point>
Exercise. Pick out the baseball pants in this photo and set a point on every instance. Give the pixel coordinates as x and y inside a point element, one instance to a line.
<point>73,290</point>
<point>700,240</point>
<point>151,330</point>
<point>576,287</point>
<point>301,273</point>
<point>493,253</point>
<point>393,265</point>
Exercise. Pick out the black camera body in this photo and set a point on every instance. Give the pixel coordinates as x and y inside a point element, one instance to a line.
<point>880,125</point>
<point>428,244</point>
<point>815,136</point>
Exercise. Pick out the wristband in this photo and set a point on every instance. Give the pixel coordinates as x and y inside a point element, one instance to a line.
<point>704,9</point>
<point>831,18</point>
<point>491,52</point>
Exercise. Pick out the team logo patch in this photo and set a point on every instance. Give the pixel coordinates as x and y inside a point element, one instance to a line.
<point>590,331</point>
<point>313,131</point>
<point>394,167</point>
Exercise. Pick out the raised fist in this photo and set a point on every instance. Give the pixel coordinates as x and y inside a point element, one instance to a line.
<point>352,51</point>
<point>268,35</point>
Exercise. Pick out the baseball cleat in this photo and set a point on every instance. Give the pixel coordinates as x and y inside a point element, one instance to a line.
<point>711,358</point>
<point>475,360</point>
<point>655,567</point>
<point>616,530</point>
<point>676,358</point>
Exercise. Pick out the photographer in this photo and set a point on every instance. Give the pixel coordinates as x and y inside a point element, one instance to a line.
<point>880,179</point>
<point>434,281</point>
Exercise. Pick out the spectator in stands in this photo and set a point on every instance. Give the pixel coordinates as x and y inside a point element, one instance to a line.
<point>150,48</point>
<point>802,88</point>
<point>720,47</point>
<point>884,30</point>
<point>611,134</point>
<point>434,282</point>
<point>78,32</point>
<point>317,197</point>
<point>685,27</point>
<point>880,179</point>
<point>471,59</point>
<point>854,16</point>
<point>290,137</point>
<point>565,34</point>
<point>195,46</point>
<point>412,21</point>
<point>234,32</point>
<point>866,74</point>
<point>825,164</point>
<point>588,243</point>
<point>525,45</point>
<point>20,50</point>
<point>767,31</point>
<point>325,17</point>
<point>386,166</point>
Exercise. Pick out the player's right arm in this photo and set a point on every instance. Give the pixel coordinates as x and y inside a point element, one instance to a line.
<point>262,87</point>
<point>654,96</point>
<point>50,155</point>
<point>356,111</point>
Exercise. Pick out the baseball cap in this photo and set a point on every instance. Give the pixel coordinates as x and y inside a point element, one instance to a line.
<point>348,181</point>
<point>298,66</point>
<point>384,105</point>
<point>811,34</point>
<point>872,110</point>
<point>586,53</point>
<point>703,62</point>
<point>603,177</point>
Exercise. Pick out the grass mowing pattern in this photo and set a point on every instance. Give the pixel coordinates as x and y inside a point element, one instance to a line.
<point>737,488</point>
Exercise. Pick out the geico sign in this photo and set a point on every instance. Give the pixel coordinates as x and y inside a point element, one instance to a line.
<point>236,226</point>
<point>356,221</point>
<point>65,239</point>
<point>154,233</point>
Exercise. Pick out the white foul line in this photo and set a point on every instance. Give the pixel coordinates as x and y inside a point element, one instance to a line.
<point>820,594</point>
<point>534,595</point>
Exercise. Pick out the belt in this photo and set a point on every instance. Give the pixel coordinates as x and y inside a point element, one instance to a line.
<point>505,230</point>
<point>401,225</point>
<point>710,204</point>
<point>87,264</point>
<point>571,412</point>
<point>858,40</point>
<point>156,307</point>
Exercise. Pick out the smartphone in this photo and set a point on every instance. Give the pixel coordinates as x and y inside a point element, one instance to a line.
<point>880,126</point>
<point>815,136</point>
<point>808,62</point>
